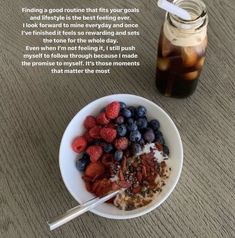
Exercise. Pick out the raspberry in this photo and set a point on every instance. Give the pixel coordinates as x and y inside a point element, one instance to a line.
<point>121,143</point>
<point>94,170</point>
<point>112,110</point>
<point>108,134</point>
<point>95,152</point>
<point>94,132</point>
<point>79,144</point>
<point>89,122</point>
<point>88,138</point>
<point>111,125</point>
<point>102,119</point>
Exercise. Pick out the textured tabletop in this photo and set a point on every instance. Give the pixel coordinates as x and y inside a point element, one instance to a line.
<point>36,107</point>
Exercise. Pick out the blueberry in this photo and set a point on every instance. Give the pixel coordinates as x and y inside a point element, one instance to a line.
<point>141,111</point>
<point>132,109</point>
<point>118,155</point>
<point>166,150</point>
<point>121,130</point>
<point>135,136</point>
<point>154,124</point>
<point>83,162</point>
<point>132,126</point>
<point>149,135</point>
<point>142,123</point>
<point>122,105</point>
<point>157,134</point>
<point>108,148</point>
<point>86,156</point>
<point>120,120</point>
<point>135,148</point>
<point>126,113</point>
<point>160,140</point>
<point>130,120</point>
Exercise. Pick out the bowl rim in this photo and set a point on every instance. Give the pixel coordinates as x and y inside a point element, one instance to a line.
<point>154,206</point>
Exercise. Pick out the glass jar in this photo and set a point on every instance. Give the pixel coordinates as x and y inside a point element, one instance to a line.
<point>181,50</point>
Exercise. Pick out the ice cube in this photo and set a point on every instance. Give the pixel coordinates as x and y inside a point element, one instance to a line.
<point>200,63</point>
<point>167,47</point>
<point>189,56</point>
<point>191,75</point>
<point>163,63</point>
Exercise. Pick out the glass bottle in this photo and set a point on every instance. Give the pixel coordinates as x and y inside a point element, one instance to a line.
<point>181,50</point>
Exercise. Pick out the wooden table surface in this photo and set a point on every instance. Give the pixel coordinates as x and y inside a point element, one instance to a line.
<point>36,107</point>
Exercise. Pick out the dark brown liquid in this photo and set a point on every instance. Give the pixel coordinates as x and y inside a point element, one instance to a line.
<point>178,68</point>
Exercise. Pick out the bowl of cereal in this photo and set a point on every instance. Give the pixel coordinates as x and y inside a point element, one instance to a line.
<point>121,141</point>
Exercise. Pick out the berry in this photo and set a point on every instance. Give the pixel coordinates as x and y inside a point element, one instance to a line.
<point>83,162</point>
<point>120,120</point>
<point>95,170</point>
<point>121,130</point>
<point>122,105</point>
<point>132,109</point>
<point>121,143</point>
<point>157,134</point>
<point>94,132</point>
<point>166,150</point>
<point>87,136</point>
<point>140,111</point>
<point>108,148</point>
<point>95,152</point>
<point>126,113</point>
<point>118,155</point>
<point>111,125</point>
<point>89,122</point>
<point>135,136</point>
<point>130,120</point>
<point>108,134</point>
<point>132,126</point>
<point>154,124</point>
<point>149,135</point>
<point>102,119</point>
<point>79,144</point>
<point>160,140</point>
<point>112,110</point>
<point>142,123</point>
<point>135,148</point>
<point>85,156</point>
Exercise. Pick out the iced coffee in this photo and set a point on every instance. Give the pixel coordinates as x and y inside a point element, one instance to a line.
<point>181,50</point>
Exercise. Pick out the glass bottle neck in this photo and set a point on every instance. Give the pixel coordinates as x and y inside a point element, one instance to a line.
<point>197,10</point>
<point>187,32</point>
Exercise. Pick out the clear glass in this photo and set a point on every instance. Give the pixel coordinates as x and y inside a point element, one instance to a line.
<point>182,50</point>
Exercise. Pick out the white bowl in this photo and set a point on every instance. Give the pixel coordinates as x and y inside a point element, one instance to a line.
<point>72,177</point>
